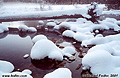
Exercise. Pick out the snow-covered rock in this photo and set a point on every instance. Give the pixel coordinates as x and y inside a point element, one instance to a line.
<point>64,44</point>
<point>69,50</point>
<point>51,24</point>
<point>40,24</point>
<point>65,25</point>
<point>59,73</point>
<point>99,35</point>
<point>38,37</point>
<point>101,40</point>
<point>44,48</point>
<point>68,33</point>
<point>27,71</point>
<point>81,36</point>
<point>26,55</point>
<point>3,28</point>
<point>81,20</point>
<point>6,67</point>
<point>31,29</point>
<point>103,59</point>
<point>23,28</point>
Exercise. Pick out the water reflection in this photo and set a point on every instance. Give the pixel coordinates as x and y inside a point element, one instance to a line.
<point>3,35</point>
<point>46,64</point>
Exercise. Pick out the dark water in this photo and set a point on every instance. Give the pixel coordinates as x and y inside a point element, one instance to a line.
<point>14,45</point>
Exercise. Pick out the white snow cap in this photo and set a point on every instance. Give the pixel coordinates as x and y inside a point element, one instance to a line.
<point>38,37</point>
<point>101,40</point>
<point>26,28</point>
<point>27,71</point>
<point>51,24</point>
<point>32,29</point>
<point>23,28</point>
<point>103,59</point>
<point>69,50</point>
<point>44,48</point>
<point>6,67</point>
<point>59,73</point>
<point>3,28</point>
<point>68,33</point>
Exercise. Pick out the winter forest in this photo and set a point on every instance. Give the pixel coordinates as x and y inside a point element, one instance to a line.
<point>59,38</point>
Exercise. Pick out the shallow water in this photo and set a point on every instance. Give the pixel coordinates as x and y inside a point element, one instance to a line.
<point>14,45</point>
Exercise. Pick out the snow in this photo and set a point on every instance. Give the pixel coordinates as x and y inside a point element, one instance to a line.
<point>96,9</point>
<point>64,44</point>
<point>82,29</point>
<point>101,40</point>
<point>38,37</point>
<point>3,28</point>
<point>44,48</point>
<point>80,37</point>
<point>26,55</point>
<point>51,24</point>
<point>40,24</point>
<point>69,50</point>
<point>25,28</point>
<point>113,12</point>
<point>27,71</point>
<point>6,67</point>
<point>99,35</point>
<point>32,29</point>
<point>59,73</point>
<point>103,56</point>
<point>63,24</point>
<point>13,24</point>
<point>68,33</point>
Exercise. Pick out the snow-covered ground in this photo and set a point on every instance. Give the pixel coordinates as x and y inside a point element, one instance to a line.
<point>18,8</point>
<point>14,8</point>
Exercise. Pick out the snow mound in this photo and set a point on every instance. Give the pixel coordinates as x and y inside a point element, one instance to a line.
<point>3,28</point>
<point>25,28</point>
<point>81,20</point>
<point>6,67</point>
<point>81,36</point>
<point>40,24</point>
<point>99,35</point>
<point>65,25</point>
<point>68,33</point>
<point>31,29</point>
<point>38,37</point>
<point>59,73</point>
<point>27,71</point>
<point>101,40</point>
<point>51,24</point>
<point>44,48</point>
<point>26,55</point>
<point>69,50</point>
<point>103,56</point>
